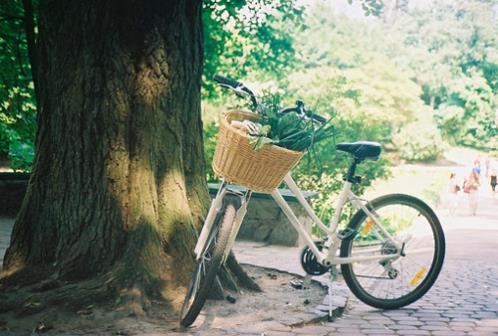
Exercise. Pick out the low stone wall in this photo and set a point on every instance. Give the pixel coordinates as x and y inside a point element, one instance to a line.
<point>265,221</point>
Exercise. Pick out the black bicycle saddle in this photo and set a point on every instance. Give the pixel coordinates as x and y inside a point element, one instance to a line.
<point>361,150</point>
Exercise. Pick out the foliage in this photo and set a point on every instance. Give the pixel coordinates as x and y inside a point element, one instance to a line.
<point>371,7</point>
<point>210,135</point>
<point>249,37</point>
<point>255,38</point>
<point>363,94</point>
<point>451,49</point>
<point>21,155</point>
<point>323,171</point>
<point>345,70</point>
<point>443,57</point>
<point>327,180</point>
<point>419,142</point>
<point>17,102</point>
<point>289,130</point>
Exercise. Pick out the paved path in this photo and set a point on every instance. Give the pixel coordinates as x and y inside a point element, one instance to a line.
<point>6,224</point>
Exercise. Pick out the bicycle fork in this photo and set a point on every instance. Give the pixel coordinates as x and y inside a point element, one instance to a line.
<point>239,218</point>
<point>214,211</point>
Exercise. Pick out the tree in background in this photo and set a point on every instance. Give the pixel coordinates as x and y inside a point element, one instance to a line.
<point>440,58</point>
<point>450,49</point>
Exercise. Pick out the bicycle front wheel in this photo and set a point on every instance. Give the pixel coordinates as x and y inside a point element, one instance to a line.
<point>208,266</point>
<point>415,231</point>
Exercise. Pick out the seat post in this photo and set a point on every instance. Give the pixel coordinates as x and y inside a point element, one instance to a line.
<point>350,176</point>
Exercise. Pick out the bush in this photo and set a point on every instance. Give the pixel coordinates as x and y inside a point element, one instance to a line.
<point>21,151</point>
<point>21,156</point>
<point>17,126</point>
<point>419,142</point>
<point>450,119</point>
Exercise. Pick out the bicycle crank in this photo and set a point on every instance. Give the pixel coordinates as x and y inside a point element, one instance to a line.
<point>309,262</point>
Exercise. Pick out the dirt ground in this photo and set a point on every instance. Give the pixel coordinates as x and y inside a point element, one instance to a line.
<point>279,303</point>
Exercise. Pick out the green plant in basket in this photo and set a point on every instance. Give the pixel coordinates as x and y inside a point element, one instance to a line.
<point>289,130</point>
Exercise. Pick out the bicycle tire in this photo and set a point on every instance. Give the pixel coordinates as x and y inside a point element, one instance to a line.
<point>352,278</point>
<point>212,260</point>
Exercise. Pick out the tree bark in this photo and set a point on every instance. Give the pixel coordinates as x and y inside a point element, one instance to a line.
<point>118,185</point>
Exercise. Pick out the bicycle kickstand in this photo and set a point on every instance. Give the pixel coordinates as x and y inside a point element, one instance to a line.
<point>332,278</point>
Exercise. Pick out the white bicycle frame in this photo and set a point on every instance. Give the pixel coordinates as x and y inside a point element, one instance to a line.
<point>330,257</point>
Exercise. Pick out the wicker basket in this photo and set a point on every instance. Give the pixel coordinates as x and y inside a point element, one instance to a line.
<point>237,161</point>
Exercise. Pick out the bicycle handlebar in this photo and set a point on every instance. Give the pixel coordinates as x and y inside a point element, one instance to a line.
<point>240,89</point>
<point>227,81</point>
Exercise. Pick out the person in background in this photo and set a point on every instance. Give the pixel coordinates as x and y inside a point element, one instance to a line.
<point>453,194</point>
<point>492,181</point>
<point>472,188</point>
<point>477,166</point>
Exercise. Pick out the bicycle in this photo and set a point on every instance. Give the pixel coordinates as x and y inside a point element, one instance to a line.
<point>390,253</point>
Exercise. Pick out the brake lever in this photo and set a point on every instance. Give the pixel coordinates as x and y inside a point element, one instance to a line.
<point>242,92</point>
<point>305,114</point>
<point>302,109</point>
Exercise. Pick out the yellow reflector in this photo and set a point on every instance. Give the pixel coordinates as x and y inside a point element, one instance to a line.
<point>367,227</point>
<point>418,276</point>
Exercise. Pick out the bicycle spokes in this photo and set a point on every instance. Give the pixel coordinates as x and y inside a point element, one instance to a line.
<point>406,237</point>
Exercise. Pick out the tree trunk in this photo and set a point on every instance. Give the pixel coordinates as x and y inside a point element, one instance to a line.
<point>118,185</point>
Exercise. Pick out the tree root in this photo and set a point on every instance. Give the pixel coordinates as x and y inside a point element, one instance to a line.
<point>22,296</point>
<point>243,279</point>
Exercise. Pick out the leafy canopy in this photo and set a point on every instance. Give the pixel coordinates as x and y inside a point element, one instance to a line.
<point>17,98</point>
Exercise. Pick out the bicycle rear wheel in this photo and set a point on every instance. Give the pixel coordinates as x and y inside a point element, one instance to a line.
<point>394,283</point>
<point>207,266</point>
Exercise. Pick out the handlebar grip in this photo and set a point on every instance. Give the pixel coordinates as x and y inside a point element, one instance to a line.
<point>313,116</point>
<point>289,110</point>
<point>227,81</point>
